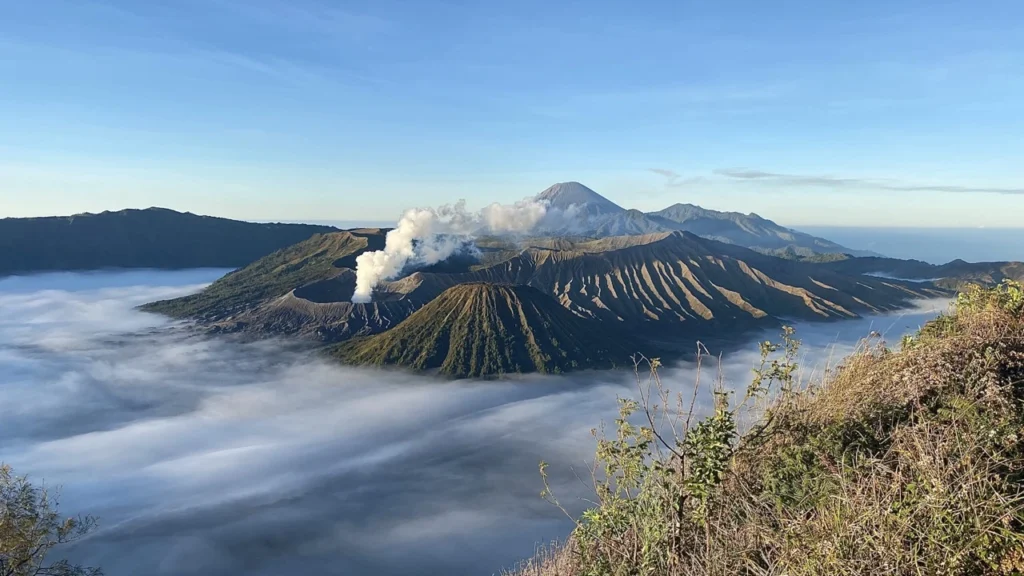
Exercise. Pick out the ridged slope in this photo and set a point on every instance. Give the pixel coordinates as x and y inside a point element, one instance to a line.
<point>679,277</point>
<point>477,330</point>
<point>667,285</point>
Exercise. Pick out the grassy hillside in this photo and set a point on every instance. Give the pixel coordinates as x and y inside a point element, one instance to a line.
<point>903,461</point>
<point>474,330</point>
<point>152,238</point>
<point>322,257</point>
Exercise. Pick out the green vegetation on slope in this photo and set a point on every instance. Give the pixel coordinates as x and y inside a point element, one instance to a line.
<point>151,238</point>
<point>475,330</point>
<point>902,462</point>
<point>321,257</point>
<point>805,255</point>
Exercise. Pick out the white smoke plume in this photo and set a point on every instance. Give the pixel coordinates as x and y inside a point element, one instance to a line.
<point>429,235</point>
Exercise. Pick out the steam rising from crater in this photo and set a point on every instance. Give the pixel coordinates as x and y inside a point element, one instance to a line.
<point>429,235</point>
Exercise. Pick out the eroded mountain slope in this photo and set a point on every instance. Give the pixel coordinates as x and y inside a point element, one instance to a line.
<point>667,282</point>
<point>679,277</point>
<point>479,329</point>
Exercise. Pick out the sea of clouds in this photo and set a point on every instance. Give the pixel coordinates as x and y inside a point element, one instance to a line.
<point>209,456</point>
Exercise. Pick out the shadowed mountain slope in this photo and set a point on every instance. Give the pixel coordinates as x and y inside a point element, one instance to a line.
<point>151,238</point>
<point>952,274</point>
<point>479,329</point>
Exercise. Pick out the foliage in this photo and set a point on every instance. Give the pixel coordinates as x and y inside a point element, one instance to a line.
<point>1007,296</point>
<point>657,484</point>
<point>31,526</point>
<point>805,255</point>
<point>904,462</point>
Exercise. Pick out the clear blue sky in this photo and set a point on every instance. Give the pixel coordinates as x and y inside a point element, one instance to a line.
<point>895,112</point>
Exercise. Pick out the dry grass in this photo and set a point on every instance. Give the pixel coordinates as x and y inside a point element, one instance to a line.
<point>902,462</point>
<point>549,560</point>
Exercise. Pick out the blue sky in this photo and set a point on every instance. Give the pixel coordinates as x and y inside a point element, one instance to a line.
<point>898,112</point>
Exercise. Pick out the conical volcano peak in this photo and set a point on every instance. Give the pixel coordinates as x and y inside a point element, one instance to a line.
<point>565,194</point>
<point>485,330</point>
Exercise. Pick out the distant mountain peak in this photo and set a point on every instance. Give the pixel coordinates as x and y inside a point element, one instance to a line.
<point>565,194</point>
<point>749,230</point>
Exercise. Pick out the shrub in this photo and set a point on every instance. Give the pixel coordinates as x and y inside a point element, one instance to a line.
<point>31,526</point>
<point>898,462</point>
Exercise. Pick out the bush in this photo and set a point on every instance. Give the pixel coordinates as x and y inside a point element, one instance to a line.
<point>30,527</point>
<point>898,462</point>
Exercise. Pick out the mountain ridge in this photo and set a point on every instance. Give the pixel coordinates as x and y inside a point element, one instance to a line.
<point>666,284</point>
<point>953,274</point>
<point>679,277</point>
<point>140,238</point>
<point>599,216</point>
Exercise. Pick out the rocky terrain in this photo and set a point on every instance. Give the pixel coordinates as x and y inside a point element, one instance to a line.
<point>642,288</point>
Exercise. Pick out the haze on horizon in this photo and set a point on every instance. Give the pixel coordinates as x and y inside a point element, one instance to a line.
<point>831,113</point>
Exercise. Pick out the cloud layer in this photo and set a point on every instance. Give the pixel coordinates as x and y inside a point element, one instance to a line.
<point>209,456</point>
<point>743,174</point>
